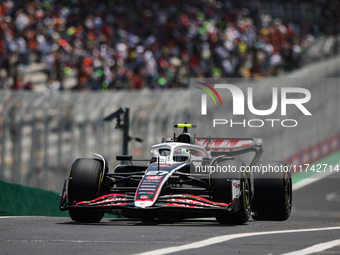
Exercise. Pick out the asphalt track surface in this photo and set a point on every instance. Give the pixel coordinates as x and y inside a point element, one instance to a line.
<point>314,226</point>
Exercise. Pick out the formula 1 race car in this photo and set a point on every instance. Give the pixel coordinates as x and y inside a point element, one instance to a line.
<point>186,177</point>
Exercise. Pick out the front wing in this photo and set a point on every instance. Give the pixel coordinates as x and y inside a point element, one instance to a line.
<point>123,201</point>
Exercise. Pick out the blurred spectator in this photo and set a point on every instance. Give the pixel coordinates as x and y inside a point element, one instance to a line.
<point>149,44</point>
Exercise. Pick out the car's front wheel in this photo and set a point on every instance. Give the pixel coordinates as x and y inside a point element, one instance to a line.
<point>85,184</point>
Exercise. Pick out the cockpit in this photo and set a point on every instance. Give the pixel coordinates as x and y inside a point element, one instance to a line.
<point>178,152</point>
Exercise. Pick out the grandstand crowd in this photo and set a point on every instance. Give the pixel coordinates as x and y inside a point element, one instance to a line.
<point>150,44</point>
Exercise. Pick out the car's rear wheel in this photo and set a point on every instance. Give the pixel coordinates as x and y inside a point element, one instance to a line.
<point>222,192</point>
<point>85,184</point>
<point>273,192</point>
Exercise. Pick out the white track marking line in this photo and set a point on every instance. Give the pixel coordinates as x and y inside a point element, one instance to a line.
<point>12,217</point>
<point>311,179</point>
<point>221,239</point>
<point>315,248</point>
<point>81,241</point>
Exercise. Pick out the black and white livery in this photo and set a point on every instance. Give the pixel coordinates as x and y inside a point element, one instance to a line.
<point>186,177</point>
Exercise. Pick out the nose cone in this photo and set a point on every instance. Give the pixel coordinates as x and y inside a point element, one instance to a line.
<point>143,204</point>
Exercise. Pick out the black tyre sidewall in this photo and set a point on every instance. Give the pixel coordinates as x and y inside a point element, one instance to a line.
<point>84,185</point>
<point>273,194</point>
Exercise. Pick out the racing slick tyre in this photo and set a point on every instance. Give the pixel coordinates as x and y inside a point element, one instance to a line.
<point>272,191</point>
<point>222,192</point>
<point>85,184</point>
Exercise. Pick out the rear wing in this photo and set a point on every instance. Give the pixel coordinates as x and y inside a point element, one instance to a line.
<point>225,144</point>
<point>231,146</point>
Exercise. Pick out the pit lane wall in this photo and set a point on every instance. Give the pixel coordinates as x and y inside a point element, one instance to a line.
<point>42,134</point>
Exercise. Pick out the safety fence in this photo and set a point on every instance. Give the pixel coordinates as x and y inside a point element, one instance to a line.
<point>41,135</point>
<point>321,49</point>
